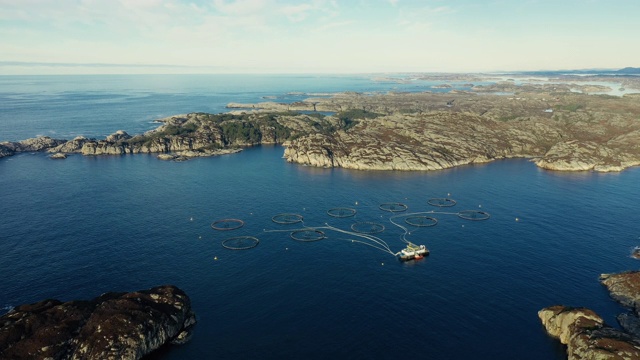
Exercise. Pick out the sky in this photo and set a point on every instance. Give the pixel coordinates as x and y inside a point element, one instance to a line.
<point>315,36</point>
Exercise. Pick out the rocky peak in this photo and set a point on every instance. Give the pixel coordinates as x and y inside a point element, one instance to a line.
<point>118,136</point>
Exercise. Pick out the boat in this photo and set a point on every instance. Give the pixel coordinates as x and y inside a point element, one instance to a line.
<point>635,253</point>
<point>413,252</point>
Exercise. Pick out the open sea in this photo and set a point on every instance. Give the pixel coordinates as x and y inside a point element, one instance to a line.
<point>76,228</point>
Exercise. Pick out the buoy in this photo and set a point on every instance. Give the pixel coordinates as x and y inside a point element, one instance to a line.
<point>215,258</point>
<point>382,264</point>
<point>191,219</point>
<point>199,237</point>
<point>517,219</point>
<point>356,203</point>
<point>286,248</point>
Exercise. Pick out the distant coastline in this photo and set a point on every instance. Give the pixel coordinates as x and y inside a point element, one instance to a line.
<point>557,124</point>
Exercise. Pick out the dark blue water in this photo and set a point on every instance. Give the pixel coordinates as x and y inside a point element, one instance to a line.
<point>86,225</point>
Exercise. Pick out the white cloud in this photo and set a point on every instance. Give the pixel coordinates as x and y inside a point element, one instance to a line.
<point>241,7</point>
<point>296,13</point>
<point>382,35</point>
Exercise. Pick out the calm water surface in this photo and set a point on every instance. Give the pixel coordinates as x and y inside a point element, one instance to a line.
<point>86,225</point>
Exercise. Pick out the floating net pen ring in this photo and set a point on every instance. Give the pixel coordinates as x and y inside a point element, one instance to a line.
<point>421,221</point>
<point>287,218</point>
<point>474,215</point>
<point>240,243</point>
<point>227,224</point>
<point>441,202</point>
<point>307,235</point>
<point>341,212</point>
<point>367,227</point>
<point>393,207</point>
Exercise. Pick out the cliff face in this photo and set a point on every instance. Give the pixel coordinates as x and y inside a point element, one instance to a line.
<point>111,326</point>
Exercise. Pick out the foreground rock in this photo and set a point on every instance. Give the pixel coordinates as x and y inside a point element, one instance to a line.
<point>111,326</point>
<point>585,333</point>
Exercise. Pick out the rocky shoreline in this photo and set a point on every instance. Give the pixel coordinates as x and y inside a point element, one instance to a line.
<point>555,127</point>
<point>586,334</point>
<point>111,326</point>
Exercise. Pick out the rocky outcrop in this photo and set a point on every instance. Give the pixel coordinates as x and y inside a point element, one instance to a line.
<point>111,326</point>
<point>33,144</point>
<point>58,156</point>
<point>186,136</point>
<point>186,155</point>
<point>586,335</point>
<point>624,287</point>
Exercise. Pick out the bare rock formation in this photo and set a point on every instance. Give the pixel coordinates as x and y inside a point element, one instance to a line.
<point>568,132</point>
<point>111,326</point>
<point>429,141</point>
<point>584,332</point>
<point>33,144</point>
<point>586,335</point>
<point>624,287</point>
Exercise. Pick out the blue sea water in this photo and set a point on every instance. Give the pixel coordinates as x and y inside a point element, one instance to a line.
<point>76,228</point>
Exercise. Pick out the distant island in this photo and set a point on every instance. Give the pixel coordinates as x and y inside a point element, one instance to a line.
<point>560,126</point>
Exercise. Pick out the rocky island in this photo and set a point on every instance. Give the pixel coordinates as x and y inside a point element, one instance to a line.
<point>111,326</point>
<point>552,124</point>
<point>585,333</point>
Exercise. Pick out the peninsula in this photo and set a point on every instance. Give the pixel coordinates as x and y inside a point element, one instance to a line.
<point>556,126</point>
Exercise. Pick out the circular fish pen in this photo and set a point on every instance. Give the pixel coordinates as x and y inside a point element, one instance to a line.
<point>473,215</point>
<point>227,224</point>
<point>393,207</point>
<point>341,212</point>
<point>367,227</point>
<point>287,219</point>
<point>421,221</point>
<point>307,235</point>
<point>441,202</point>
<point>240,243</point>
